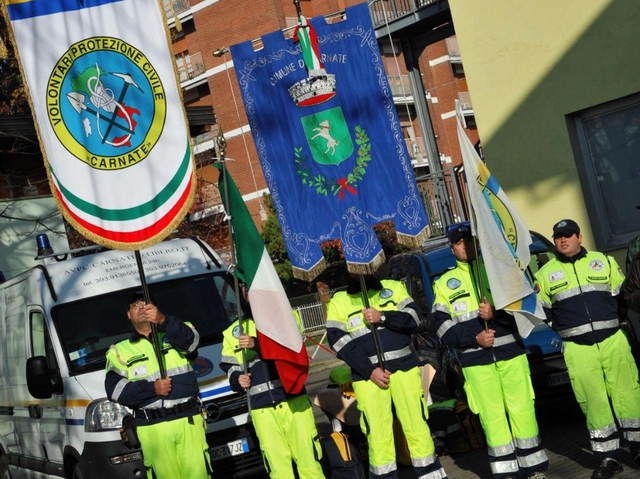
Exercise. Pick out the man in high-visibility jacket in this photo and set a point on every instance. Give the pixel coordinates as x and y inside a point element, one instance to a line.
<point>394,315</point>
<point>284,423</point>
<point>494,363</point>
<point>167,411</point>
<point>579,291</point>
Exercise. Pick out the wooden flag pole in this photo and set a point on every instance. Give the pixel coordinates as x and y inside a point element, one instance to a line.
<point>154,331</point>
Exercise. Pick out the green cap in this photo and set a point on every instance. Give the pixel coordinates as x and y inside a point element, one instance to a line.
<point>339,375</point>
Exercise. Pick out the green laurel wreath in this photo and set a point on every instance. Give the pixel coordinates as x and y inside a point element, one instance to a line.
<point>324,185</point>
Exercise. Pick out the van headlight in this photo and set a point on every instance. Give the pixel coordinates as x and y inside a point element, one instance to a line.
<point>103,414</point>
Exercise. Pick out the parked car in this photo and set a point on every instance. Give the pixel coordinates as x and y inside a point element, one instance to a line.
<point>418,269</point>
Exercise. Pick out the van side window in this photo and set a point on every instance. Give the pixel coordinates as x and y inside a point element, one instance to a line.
<point>41,345</point>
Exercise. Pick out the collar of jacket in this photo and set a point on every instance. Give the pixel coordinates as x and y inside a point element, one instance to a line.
<point>373,284</point>
<point>572,259</point>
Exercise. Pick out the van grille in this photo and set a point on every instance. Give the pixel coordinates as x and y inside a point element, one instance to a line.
<point>226,407</point>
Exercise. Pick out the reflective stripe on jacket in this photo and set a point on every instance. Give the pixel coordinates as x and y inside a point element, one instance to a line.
<point>266,389</point>
<point>457,319</point>
<point>132,369</point>
<point>578,295</point>
<point>350,336</point>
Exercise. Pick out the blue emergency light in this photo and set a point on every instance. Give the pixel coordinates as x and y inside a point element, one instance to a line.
<point>44,246</point>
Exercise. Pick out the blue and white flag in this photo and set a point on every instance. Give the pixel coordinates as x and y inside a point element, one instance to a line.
<point>329,141</point>
<point>504,240</point>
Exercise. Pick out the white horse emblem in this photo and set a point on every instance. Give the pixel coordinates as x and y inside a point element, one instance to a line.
<point>323,132</point>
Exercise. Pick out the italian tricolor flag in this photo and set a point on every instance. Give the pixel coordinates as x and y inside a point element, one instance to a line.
<point>278,332</point>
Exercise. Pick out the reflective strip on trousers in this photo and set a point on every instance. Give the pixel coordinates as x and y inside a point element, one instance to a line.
<point>603,433</point>
<point>629,423</point>
<point>632,436</point>
<point>439,474</point>
<point>260,388</point>
<point>423,461</point>
<point>587,328</point>
<point>499,451</point>
<point>391,355</point>
<point>527,442</point>
<point>503,467</point>
<point>605,446</point>
<point>386,469</point>
<point>533,459</point>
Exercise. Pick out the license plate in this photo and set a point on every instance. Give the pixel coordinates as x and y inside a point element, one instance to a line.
<point>234,448</point>
<point>557,379</point>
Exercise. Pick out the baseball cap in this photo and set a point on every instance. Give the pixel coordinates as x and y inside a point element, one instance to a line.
<point>566,227</point>
<point>139,296</point>
<point>339,375</point>
<point>462,231</point>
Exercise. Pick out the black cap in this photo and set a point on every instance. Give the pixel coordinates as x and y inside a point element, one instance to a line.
<point>462,231</point>
<point>566,227</point>
<point>139,296</point>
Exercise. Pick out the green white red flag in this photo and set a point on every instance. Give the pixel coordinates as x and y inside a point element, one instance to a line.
<point>278,333</point>
<point>109,114</point>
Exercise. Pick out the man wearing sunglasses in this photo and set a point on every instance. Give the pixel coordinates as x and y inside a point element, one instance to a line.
<point>166,410</point>
<point>579,290</point>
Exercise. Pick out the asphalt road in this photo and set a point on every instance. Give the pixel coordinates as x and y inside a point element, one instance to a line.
<point>562,429</point>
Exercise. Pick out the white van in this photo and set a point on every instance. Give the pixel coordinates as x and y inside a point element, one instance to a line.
<point>57,322</point>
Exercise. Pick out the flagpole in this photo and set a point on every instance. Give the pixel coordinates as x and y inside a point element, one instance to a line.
<point>374,331</point>
<point>221,144</point>
<point>479,285</point>
<point>154,331</point>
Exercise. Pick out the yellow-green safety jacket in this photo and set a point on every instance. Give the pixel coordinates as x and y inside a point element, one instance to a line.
<point>266,388</point>
<point>578,295</point>
<point>457,318</point>
<point>132,369</point>
<point>350,335</point>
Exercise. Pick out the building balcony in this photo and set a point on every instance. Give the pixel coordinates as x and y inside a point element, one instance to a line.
<point>464,109</point>
<point>190,66</point>
<point>393,9</point>
<point>410,16</point>
<point>416,149</point>
<point>400,86</point>
<point>173,8</point>
<point>453,50</point>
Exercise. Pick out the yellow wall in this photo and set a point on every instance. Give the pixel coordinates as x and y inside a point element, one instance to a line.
<point>529,63</point>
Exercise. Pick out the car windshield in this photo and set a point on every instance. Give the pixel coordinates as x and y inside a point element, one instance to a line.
<point>89,326</point>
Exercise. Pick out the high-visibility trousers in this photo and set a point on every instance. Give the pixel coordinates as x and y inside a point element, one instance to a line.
<point>495,391</point>
<point>176,449</point>
<point>288,432</point>
<point>376,420</point>
<point>601,371</point>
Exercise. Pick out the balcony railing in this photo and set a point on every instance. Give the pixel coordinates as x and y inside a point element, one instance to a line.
<point>400,85</point>
<point>465,102</point>
<point>190,66</point>
<point>174,8</point>
<point>393,9</point>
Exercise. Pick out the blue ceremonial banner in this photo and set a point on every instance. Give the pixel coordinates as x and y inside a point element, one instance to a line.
<point>329,141</point>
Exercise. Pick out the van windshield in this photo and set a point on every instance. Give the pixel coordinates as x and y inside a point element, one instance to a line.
<point>89,326</point>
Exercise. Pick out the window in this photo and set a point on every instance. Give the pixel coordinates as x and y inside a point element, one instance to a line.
<point>41,346</point>
<point>607,152</point>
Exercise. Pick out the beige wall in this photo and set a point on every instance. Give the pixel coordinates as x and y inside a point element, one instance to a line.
<point>528,65</point>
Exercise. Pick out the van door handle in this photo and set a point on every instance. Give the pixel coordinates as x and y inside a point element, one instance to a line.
<point>35,411</point>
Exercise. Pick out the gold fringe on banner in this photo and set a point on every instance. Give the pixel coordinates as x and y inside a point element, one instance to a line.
<point>4,53</point>
<point>416,241</point>
<point>311,274</point>
<point>367,268</point>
